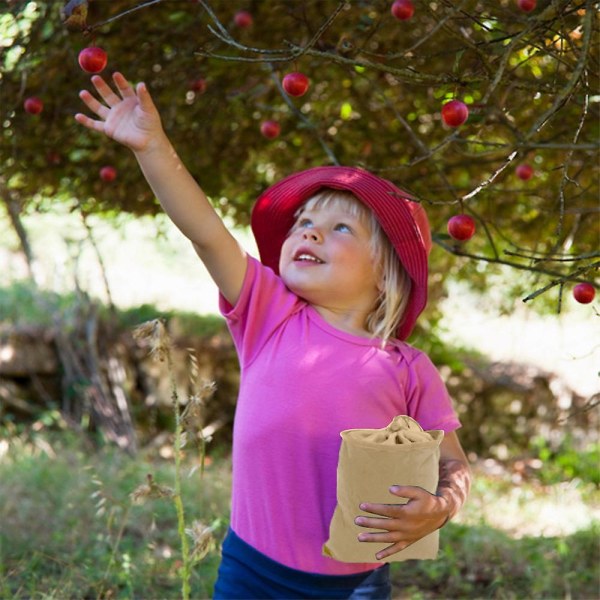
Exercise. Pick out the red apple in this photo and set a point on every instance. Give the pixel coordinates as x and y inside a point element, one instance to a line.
<point>270,129</point>
<point>198,85</point>
<point>461,227</point>
<point>92,59</point>
<point>584,293</point>
<point>295,84</point>
<point>53,158</point>
<point>108,174</point>
<point>455,113</point>
<point>403,9</point>
<point>524,171</point>
<point>33,105</point>
<point>526,5</point>
<point>243,19</point>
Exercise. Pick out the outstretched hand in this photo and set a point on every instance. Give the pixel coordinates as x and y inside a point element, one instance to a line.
<point>127,115</point>
<point>403,524</point>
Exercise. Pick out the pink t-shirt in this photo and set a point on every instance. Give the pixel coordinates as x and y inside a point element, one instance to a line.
<point>303,382</point>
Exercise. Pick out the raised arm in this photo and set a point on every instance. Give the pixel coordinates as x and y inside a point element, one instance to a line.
<point>130,117</point>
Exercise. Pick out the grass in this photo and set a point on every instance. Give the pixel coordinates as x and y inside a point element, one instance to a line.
<point>68,529</point>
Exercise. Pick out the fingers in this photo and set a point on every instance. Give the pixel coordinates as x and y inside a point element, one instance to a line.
<point>383,510</point>
<point>123,85</point>
<point>397,547</point>
<point>105,91</point>
<point>144,98</point>
<point>89,123</point>
<point>93,104</point>
<point>383,538</point>
<point>411,492</point>
<point>374,523</point>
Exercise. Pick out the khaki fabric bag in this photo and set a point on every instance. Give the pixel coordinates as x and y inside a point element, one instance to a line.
<point>370,461</point>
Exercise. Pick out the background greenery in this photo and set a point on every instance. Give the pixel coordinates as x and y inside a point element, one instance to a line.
<point>377,88</point>
<point>67,525</point>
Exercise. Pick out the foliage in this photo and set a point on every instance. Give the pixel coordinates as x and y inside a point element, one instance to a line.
<point>567,461</point>
<point>23,303</point>
<point>69,528</point>
<point>377,87</point>
<point>63,509</point>
<point>480,562</point>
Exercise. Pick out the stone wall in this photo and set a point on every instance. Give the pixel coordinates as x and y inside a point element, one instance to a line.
<point>103,379</point>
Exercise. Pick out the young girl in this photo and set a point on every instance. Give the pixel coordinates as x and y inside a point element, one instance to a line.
<point>319,328</point>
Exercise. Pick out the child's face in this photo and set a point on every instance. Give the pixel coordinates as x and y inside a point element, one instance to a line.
<point>327,260</point>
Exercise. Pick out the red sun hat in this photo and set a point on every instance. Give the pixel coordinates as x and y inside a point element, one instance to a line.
<point>401,217</point>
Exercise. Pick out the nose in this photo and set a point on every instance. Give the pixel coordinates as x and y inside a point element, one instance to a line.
<point>312,235</point>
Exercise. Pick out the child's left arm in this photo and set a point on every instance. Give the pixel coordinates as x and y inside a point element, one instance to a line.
<point>404,524</point>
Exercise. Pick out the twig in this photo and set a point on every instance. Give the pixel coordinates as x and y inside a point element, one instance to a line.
<point>457,251</point>
<point>566,90</point>
<point>565,178</point>
<point>123,14</point>
<point>490,179</point>
<point>303,118</point>
<point>99,258</point>
<point>425,151</point>
<point>561,280</point>
<point>545,258</point>
<point>324,27</point>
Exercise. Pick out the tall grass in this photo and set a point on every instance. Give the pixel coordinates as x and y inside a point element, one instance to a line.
<point>69,530</point>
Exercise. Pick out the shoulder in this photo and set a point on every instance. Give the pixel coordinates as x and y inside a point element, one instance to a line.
<point>413,357</point>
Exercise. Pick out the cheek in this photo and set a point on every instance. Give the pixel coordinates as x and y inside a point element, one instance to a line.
<point>284,255</point>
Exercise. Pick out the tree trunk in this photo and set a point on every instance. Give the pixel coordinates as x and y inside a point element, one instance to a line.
<point>14,214</point>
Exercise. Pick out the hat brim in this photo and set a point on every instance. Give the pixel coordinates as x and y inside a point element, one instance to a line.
<point>401,217</point>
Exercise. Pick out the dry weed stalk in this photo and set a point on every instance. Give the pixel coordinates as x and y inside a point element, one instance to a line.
<point>187,424</point>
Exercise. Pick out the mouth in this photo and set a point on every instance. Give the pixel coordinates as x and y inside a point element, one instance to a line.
<point>304,256</point>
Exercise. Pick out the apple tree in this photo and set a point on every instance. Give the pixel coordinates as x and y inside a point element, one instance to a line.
<point>487,112</point>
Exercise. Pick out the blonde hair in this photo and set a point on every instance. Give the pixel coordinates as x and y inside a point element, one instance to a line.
<point>394,283</point>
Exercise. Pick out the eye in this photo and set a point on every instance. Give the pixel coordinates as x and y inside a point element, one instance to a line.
<point>304,223</point>
<point>343,228</point>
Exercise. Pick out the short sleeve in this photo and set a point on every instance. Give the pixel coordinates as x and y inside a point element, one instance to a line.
<point>428,400</point>
<point>262,307</point>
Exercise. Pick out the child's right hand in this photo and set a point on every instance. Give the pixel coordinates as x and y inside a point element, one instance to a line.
<point>128,117</point>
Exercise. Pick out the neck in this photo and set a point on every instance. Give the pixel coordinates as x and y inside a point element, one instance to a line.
<point>353,322</point>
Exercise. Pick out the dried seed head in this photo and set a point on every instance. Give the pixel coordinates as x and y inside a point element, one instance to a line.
<point>151,490</point>
<point>202,537</point>
<point>207,389</point>
<point>154,334</point>
<point>191,417</point>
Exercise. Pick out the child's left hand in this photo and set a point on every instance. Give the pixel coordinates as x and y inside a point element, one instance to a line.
<point>403,524</point>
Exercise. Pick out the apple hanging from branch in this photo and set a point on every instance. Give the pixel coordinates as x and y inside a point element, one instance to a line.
<point>33,105</point>
<point>461,227</point>
<point>198,85</point>
<point>108,173</point>
<point>403,10</point>
<point>584,293</point>
<point>93,59</point>
<point>270,129</point>
<point>526,5</point>
<point>455,113</point>
<point>243,19</point>
<point>524,171</point>
<point>296,84</point>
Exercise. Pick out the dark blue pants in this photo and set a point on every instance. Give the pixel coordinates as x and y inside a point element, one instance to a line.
<point>245,573</point>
